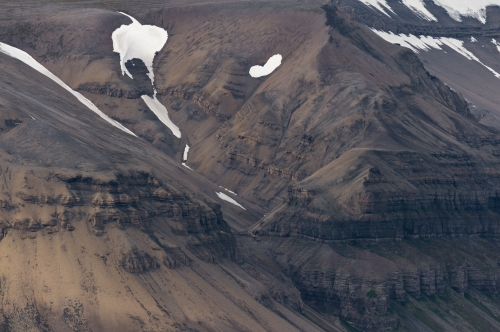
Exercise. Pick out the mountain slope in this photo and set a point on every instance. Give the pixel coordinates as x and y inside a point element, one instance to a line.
<point>370,186</point>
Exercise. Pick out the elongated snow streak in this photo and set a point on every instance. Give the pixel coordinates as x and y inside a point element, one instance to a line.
<point>27,59</point>
<point>271,64</point>
<point>185,157</point>
<point>186,152</point>
<point>497,44</point>
<point>232,192</point>
<point>418,8</point>
<point>229,199</point>
<point>427,43</point>
<point>137,41</point>
<point>378,4</point>
<point>161,112</point>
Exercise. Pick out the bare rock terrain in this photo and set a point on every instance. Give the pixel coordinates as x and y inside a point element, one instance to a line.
<point>370,186</point>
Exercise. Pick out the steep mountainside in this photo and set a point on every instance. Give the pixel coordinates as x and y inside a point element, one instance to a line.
<point>473,80</point>
<point>367,184</point>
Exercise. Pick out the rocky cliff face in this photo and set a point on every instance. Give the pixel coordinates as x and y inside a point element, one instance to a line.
<point>125,200</point>
<point>364,282</point>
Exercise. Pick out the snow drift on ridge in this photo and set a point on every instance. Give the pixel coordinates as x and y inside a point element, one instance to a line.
<point>27,59</point>
<point>455,8</point>
<point>427,43</point>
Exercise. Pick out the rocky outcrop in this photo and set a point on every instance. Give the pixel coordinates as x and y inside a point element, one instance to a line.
<point>420,200</point>
<point>359,282</point>
<point>135,261</point>
<point>109,90</point>
<point>136,199</point>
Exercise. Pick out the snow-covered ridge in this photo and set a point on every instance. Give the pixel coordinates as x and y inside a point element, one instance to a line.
<point>467,8</point>
<point>270,66</point>
<point>137,41</point>
<point>455,8</point>
<point>27,59</point>
<point>229,199</point>
<point>427,43</point>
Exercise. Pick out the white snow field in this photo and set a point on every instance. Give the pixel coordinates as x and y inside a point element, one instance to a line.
<point>270,66</point>
<point>137,41</point>
<point>229,199</point>
<point>455,8</point>
<point>427,43</point>
<point>27,59</point>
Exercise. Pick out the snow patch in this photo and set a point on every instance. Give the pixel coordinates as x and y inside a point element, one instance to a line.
<point>137,41</point>
<point>497,44</point>
<point>185,157</point>
<point>229,199</point>
<point>271,65</point>
<point>27,59</point>
<point>378,4</point>
<point>418,8</point>
<point>427,43</point>
<point>161,112</point>
<point>232,192</point>
<point>473,40</point>
<point>186,152</point>
<point>455,8</point>
<point>184,164</point>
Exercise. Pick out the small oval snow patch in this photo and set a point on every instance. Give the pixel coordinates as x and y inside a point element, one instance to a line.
<point>271,64</point>
<point>229,199</point>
